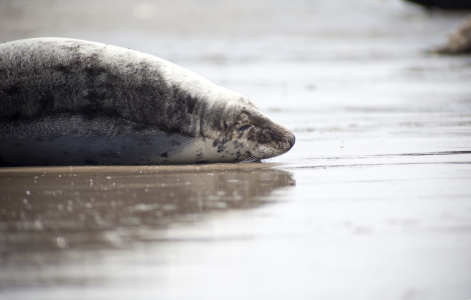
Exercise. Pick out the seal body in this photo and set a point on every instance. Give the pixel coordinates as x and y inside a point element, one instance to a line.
<point>73,102</point>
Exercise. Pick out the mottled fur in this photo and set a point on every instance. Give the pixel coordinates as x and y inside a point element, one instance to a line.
<point>55,87</point>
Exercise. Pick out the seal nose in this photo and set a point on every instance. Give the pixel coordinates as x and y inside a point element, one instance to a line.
<point>291,141</point>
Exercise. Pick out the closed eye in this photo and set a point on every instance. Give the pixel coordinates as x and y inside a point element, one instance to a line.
<point>245,127</point>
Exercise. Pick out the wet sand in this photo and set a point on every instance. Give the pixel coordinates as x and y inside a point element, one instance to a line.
<point>373,201</point>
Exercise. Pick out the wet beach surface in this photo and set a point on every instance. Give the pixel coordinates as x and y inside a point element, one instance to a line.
<point>373,201</point>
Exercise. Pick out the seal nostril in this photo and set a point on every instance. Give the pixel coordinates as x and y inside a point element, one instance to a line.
<point>292,140</point>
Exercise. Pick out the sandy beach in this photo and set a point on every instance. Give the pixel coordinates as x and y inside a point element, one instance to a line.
<point>372,202</point>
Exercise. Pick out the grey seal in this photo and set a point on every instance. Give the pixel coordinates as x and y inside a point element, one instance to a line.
<point>459,42</point>
<point>75,102</point>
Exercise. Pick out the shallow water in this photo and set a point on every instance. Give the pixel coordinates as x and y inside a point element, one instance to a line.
<point>373,201</point>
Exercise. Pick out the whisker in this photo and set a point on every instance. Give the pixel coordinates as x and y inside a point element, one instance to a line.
<point>250,159</point>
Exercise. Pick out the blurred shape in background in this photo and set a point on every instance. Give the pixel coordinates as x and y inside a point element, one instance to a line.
<point>459,42</point>
<point>444,4</point>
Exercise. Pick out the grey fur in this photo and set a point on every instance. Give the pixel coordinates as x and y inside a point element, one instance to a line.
<point>57,95</point>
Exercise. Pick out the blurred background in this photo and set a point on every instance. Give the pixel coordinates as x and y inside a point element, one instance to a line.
<point>266,50</point>
<point>313,53</point>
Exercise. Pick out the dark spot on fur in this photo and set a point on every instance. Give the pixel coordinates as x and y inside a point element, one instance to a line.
<point>191,104</point>
<point>165,154</point>
<point>95,70</point>
<point>62,68</point>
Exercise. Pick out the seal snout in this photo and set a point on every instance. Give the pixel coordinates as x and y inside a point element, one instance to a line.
<point>291,140</point>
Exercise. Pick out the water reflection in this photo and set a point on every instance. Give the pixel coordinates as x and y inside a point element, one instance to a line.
<point>52,209</point>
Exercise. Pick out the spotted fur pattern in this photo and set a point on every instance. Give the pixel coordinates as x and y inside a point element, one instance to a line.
<point>57,95</point>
